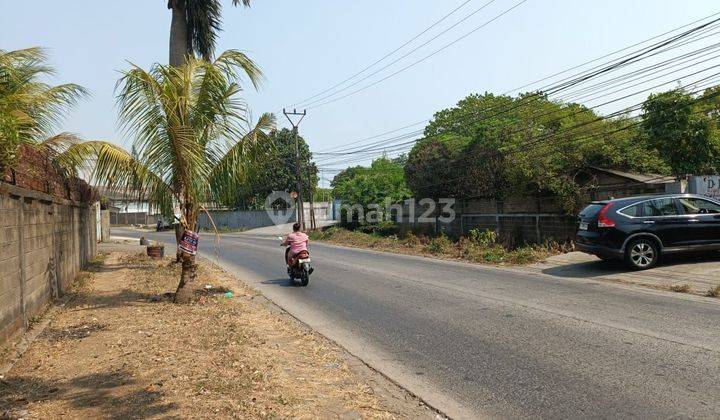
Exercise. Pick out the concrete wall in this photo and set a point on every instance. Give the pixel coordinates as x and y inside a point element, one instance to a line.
<point>244,219</point>
<point>135,218</point>
<point>323,211</point>
<point>44,243</point>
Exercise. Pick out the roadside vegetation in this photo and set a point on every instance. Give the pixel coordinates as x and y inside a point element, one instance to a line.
<point>119,348</point>
<point>680,288</point>
<point>478,247</point>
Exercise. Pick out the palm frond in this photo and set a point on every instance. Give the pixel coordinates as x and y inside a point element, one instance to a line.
<point>204,22</point>
<point>115,168</point>
<point>34,109</point>
<point>232,169</point>
<point>236,64</point>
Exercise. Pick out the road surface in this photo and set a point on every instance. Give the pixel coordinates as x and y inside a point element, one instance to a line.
<point>479,341</point>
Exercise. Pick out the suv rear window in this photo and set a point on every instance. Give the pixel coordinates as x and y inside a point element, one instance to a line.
<point>591,211</point>
<point>632,211</point>
<point>660,207</point>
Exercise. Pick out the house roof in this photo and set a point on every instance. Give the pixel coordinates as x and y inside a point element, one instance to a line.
<point>644,178</point>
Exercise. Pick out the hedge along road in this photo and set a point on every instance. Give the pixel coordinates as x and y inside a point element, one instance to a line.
<point>478,341</point>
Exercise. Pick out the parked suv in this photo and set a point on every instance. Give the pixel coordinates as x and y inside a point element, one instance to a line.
<point>639,230</point>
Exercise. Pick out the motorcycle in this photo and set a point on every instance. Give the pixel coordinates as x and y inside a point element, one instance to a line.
<point>301,268</point>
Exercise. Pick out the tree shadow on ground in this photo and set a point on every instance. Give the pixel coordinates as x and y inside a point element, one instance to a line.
<point>110,394</point>
<point>95,300</point>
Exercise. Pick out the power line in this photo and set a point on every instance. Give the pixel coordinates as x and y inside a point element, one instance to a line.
<point>624,61</point>
<point>598,119</point>
<point>319,102</point>
<point>437,22</point>
<point>569,69</point>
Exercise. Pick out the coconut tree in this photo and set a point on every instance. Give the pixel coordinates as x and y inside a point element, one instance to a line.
<point>31,109</point>
<point>192,139</point>
<point>194,28</point>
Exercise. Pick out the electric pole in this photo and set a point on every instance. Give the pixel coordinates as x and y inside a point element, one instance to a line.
<point>294,113</point>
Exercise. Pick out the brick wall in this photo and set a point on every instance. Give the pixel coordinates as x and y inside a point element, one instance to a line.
<point>44,242</point>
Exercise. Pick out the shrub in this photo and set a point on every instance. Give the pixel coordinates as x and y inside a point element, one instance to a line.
<point>523,255</point>
<point>483,238</point>
<point>438,245</point>
<point>411,241</point>
<point>714,292</point>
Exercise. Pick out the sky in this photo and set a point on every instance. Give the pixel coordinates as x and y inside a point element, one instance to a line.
<point>305,47</point>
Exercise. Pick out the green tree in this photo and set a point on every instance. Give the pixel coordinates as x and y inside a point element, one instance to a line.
<point>277,172</point>
<point>30,110</point>
<point>683,129</point>
<point>380,184</point>
<point>194,28</point>
<point>192,143</point>
<point>432,169</point>
<point>492,146</point>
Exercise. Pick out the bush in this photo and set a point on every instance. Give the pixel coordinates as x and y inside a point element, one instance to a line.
<point>484,238</point>
<point>523,255</point>
<point>438,245</point>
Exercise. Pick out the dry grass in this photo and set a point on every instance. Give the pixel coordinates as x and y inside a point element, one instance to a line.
<point>479,247</point>
<point>714,292</point>
<point>120,349</point>
<point>680,288</point>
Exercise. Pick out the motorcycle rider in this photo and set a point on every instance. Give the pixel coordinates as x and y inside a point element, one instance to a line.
<point>296,242</point>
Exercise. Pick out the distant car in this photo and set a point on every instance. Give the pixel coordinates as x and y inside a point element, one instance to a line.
<point>639,230</point>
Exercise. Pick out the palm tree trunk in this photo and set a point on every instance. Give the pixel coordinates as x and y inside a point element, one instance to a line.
<point>186,288</point>
<point>178,33</point>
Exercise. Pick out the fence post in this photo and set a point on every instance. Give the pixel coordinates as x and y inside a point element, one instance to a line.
<point>537,228</point>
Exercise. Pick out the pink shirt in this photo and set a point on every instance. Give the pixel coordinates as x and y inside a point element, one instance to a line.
<point>297,241</point>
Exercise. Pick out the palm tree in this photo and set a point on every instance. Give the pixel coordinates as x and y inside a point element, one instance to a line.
<point>192,140</point>
<point>30,110</point>
<point>194,28</point>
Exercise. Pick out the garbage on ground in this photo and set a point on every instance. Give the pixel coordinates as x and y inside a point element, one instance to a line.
<point>228,295</point>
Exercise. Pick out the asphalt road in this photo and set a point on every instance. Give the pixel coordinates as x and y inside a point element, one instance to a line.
<point>487,342</point>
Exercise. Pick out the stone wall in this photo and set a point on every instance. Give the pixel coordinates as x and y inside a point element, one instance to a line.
<point>44,243</point>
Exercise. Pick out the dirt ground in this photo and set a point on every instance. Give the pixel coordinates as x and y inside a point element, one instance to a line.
<point>119,349</point>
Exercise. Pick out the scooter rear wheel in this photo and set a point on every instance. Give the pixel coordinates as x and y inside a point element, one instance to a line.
<point>304,276</point>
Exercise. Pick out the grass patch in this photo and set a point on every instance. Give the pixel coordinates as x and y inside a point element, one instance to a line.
<point>478,246</point>
<point>680,288</point>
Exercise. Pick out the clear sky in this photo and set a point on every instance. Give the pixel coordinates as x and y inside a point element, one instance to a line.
<point>307,46</point>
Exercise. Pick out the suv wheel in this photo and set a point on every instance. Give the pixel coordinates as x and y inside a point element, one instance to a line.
<point>641,254</point>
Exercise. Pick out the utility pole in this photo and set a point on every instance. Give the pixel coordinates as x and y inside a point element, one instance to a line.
<point>294,113</point>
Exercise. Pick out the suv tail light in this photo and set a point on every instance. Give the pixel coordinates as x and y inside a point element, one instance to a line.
<point>603,220</point>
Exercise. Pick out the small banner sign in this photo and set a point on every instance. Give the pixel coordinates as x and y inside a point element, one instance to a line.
<point>189,242</point>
